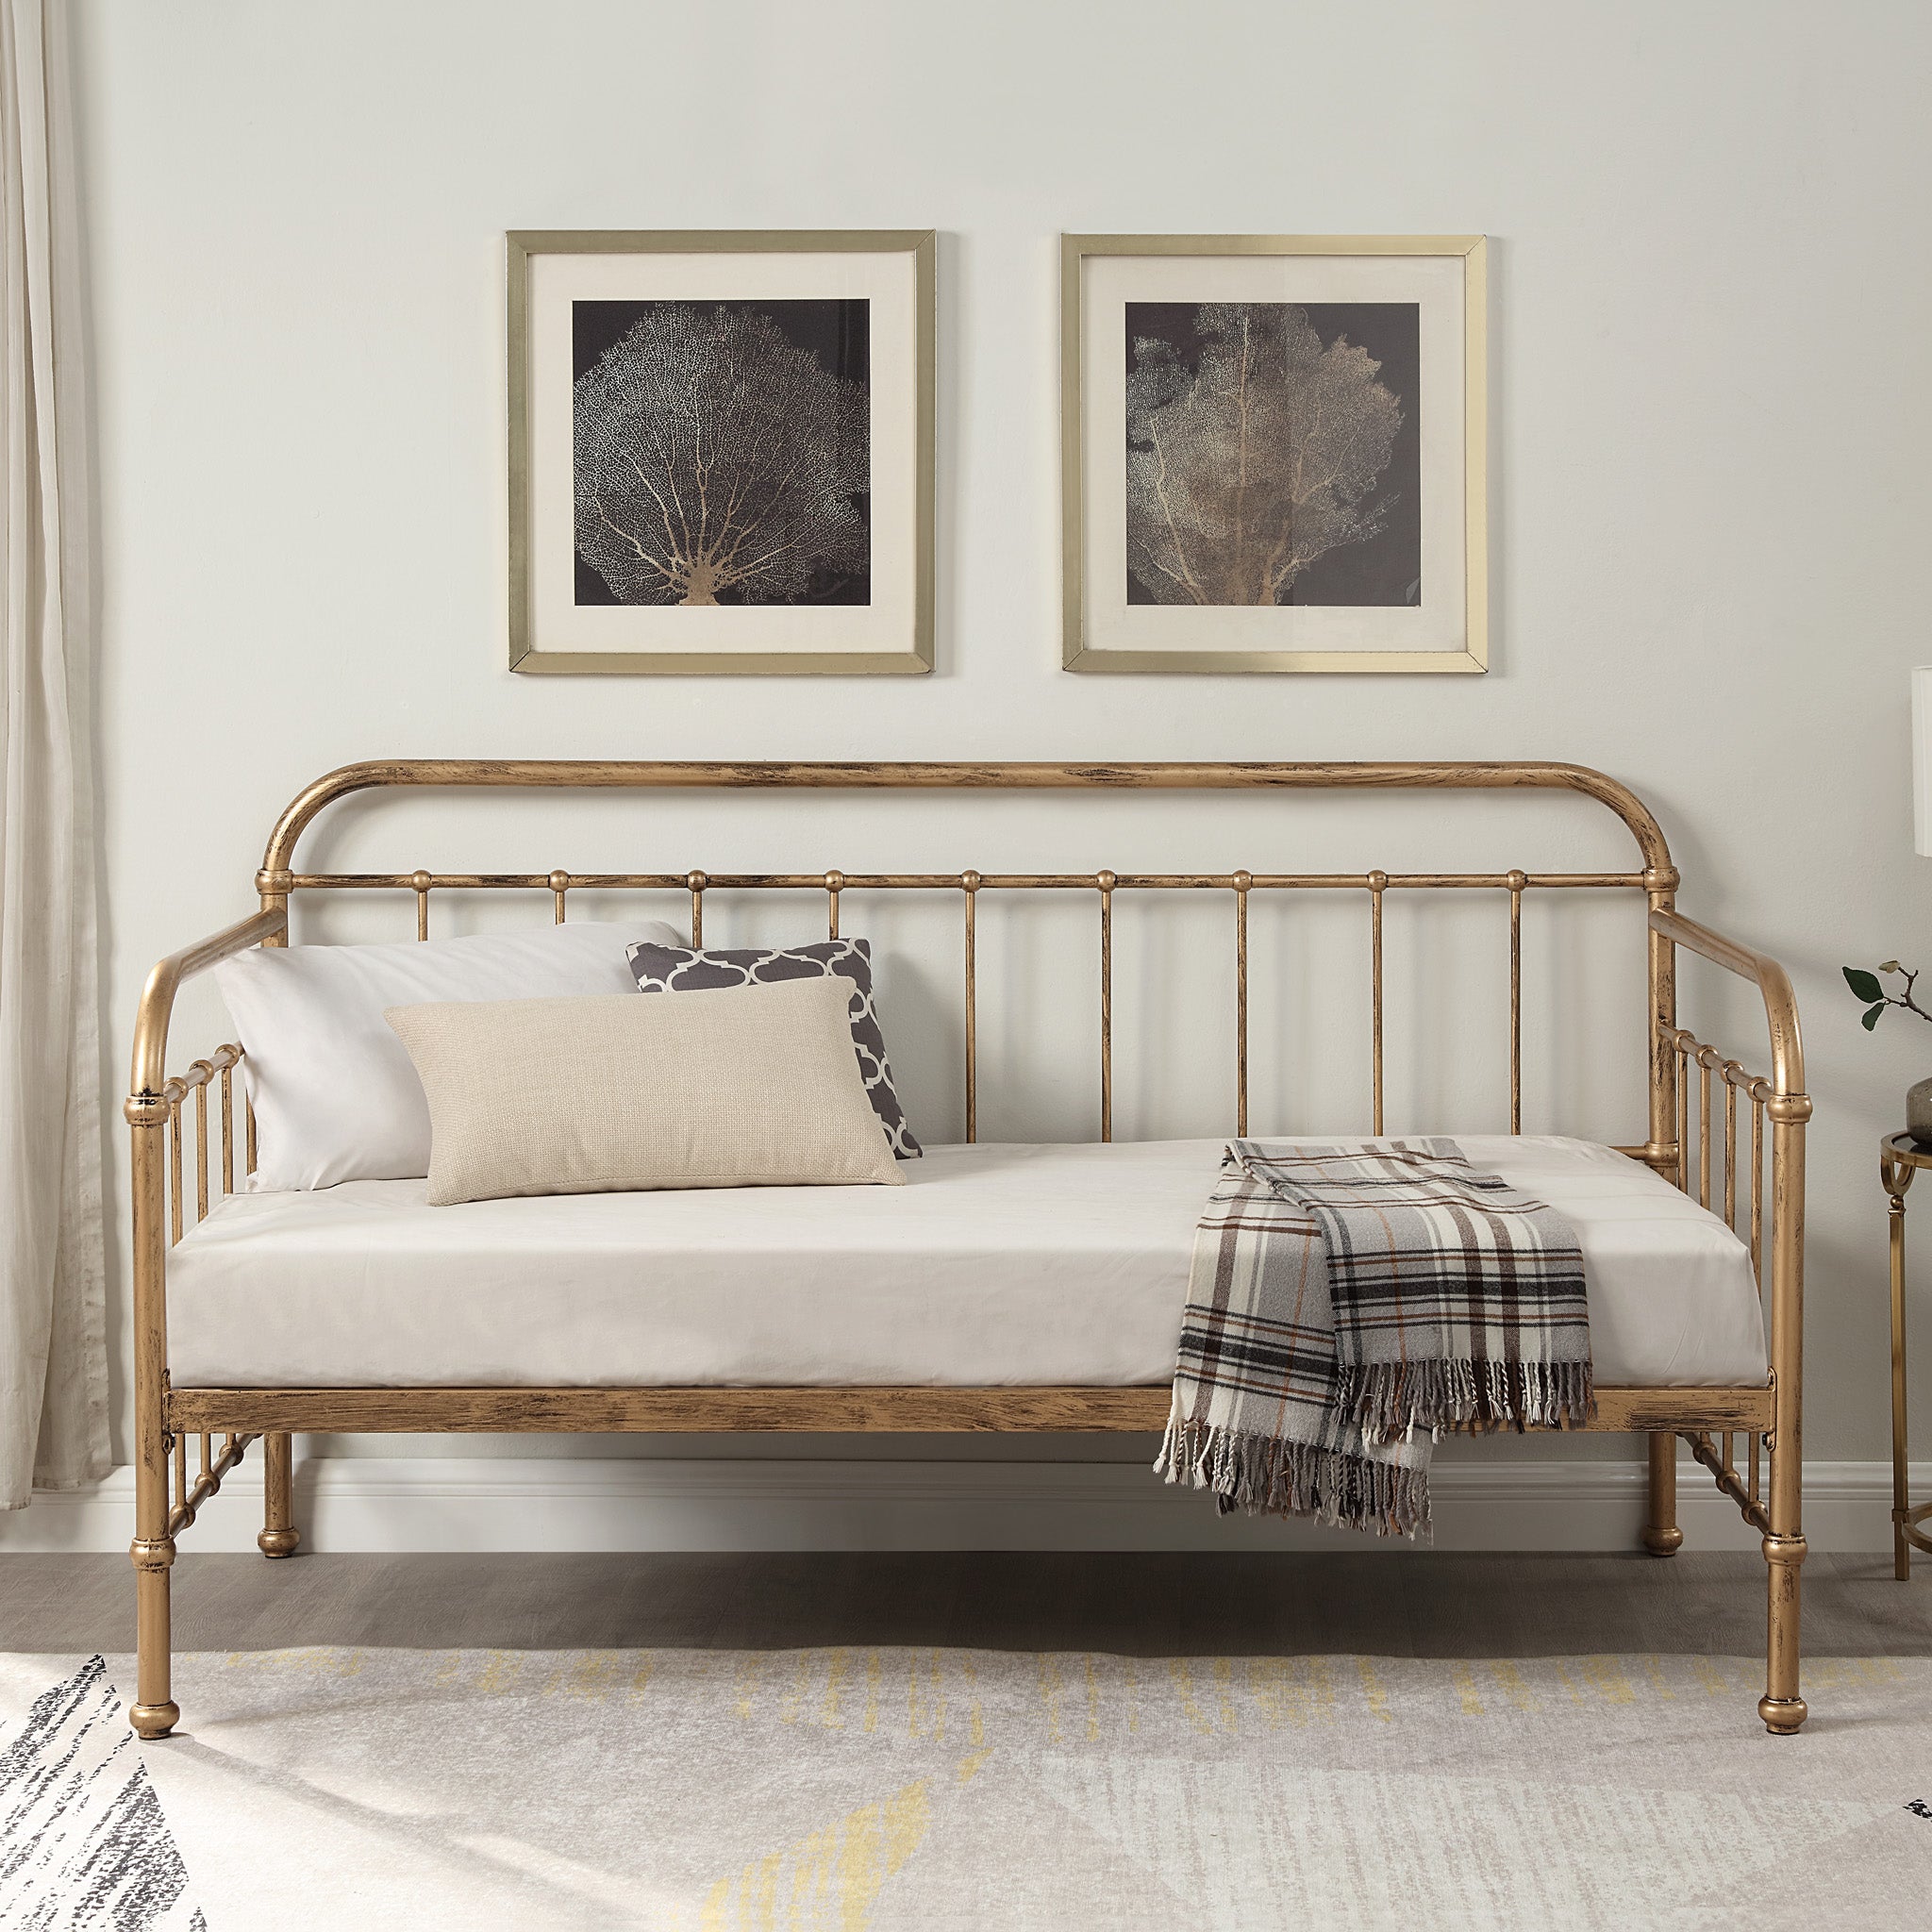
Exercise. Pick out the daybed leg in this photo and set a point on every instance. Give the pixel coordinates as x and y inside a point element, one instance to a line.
<point>1661,1535</point>
<point>1781,1707</point>
<point>279,1535</point>
<point>154,1713</point>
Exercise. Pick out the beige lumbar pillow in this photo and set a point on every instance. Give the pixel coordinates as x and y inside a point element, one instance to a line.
<point>743,1087</point>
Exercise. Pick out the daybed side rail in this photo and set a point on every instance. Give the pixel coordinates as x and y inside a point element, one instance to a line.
<point>1780,1101</point>
<point>154,1110</point>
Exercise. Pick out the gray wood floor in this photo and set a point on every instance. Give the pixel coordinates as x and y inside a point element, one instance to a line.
<point>1418,1604</point>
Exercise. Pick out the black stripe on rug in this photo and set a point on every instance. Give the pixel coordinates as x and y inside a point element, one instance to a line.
<point>82,1840</point>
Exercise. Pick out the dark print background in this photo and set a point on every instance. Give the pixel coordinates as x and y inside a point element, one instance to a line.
<point>722,452</point>
<point>1274,455</point>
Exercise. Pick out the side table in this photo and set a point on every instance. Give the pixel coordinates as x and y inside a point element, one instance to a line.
<point>1900,1157</point>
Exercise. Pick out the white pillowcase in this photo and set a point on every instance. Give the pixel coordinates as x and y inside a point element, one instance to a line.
<point>738,1087</point>
<point>335,1096</point>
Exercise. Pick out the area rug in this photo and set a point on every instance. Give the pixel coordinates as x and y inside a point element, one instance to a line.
<point>881,1790</point>
<point>82,1840</point>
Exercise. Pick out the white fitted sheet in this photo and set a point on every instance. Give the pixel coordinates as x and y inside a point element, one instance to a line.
<point>994,1265</point>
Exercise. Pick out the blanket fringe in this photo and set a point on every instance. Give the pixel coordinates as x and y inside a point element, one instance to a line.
<point>1394,1399</point>
<point>1267,1476</point>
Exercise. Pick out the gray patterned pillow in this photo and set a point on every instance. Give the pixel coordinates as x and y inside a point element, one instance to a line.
<point>678,968</point>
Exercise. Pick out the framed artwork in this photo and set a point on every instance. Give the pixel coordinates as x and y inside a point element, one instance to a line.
<point>720,452</point>
<point>1273,453</point>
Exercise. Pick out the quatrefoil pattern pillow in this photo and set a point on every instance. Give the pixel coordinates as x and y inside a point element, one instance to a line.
<point>680,968</point>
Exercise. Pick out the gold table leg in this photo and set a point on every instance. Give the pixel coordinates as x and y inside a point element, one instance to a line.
<point>1898,1179</point>
<point>1901,1501</point>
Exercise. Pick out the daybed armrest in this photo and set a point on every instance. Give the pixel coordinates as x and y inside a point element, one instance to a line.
<point>157,1006</point>
<point>1774,985</point>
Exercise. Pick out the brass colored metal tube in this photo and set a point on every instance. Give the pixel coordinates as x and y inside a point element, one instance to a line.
<point>969,883</point>
<point>1105,880</point>
<point>1377,884</point>
<point>1243,883</point>
<point>1517,881</point>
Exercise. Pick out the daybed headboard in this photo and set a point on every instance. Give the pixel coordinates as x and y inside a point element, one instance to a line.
<point>1673,1053</point>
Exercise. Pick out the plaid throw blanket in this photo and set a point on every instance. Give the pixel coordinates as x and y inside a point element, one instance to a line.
<point>1347,1305</point>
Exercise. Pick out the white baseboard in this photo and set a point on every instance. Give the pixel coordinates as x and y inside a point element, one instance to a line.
<point>528,1503</point>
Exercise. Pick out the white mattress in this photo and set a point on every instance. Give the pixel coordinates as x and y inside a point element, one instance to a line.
<point>995,1265</point>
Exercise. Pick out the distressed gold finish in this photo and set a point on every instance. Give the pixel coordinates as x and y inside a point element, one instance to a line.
<point>1244,885</point>
<point>1721,1466</point>
<point>1076,654</point>
<point>672,1411</point>
<point>1378,884</point>
<point>1518,881</point>
<point>1767,1418</point>
<point>922,246</point>
<point>1900,1157</point>
<point>188,1505</point>
<point>969,883</point>
<point>279,1535</point>
<point>1105,882</point>
<point>1661,1535</point>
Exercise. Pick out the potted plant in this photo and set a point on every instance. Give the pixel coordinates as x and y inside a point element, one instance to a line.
<point>1868,987</point>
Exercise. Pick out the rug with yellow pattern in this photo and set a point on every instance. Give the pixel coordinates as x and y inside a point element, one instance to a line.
<point>872,1790</point>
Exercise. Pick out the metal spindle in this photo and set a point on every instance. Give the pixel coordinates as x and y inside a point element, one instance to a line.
<point>1106,881</point>
<point>560,890</point>
<point>1704,1060</point>
<point>1755,1443</point>
<point>1244,881</point>
<point>207,1456</point>
<point>203,1069</point>
<point>695,883</point>
<point>422,881</point>
<point>1683,1112</point>
<point>968,883</point>
<point>1378,882</point>
<point>1759,1091</point>
<point>228,1128</point>
<point>835,884</point>
<point>1517,881</point>
<point>1731,1071</point>
<point>248,1129</point>
<point>174,1167</point>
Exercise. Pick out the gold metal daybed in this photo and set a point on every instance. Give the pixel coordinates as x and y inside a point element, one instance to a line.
<point>1698,1145</point>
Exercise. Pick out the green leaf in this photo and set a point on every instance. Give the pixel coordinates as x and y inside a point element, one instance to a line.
<point>1871,1015</point>
<point>1864,985</point>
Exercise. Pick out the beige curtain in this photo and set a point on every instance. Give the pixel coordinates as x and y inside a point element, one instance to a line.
<point>53,1355</point>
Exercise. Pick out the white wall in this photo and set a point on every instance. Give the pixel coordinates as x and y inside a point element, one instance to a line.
<point>1710,412</point>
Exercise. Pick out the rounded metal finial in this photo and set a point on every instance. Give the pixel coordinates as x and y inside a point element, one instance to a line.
<point>1106,881</point>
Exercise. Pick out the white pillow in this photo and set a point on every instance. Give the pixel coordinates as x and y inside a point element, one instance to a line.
<point>741,1086</point>
<point>335,1096</point>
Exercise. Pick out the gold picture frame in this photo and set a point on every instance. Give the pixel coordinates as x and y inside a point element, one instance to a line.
<point>1454,444</point>
<point>546,632</point>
